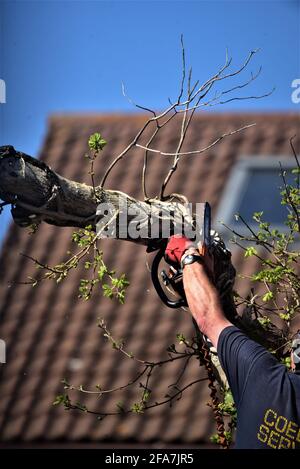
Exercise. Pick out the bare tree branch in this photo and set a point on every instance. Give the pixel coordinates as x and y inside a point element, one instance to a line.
<point>202,150</point>
<point>194,100</point>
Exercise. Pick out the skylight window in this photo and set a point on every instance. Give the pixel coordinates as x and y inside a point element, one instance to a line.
<point>254,186</point>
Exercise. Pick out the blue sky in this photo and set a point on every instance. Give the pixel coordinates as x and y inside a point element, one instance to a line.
<point>72,56</point>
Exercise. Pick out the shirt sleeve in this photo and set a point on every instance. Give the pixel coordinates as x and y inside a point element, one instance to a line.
<point>241,357</point>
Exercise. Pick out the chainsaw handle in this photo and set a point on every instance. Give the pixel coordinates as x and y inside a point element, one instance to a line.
<point>160,291</point>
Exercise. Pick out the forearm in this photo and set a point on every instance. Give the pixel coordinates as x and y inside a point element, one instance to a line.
<point>203,301</point>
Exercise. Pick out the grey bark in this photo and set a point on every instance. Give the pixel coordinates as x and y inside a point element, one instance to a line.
<point>37,193</point>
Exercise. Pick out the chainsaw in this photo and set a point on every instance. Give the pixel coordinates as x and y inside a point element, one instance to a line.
<point>172,280</point>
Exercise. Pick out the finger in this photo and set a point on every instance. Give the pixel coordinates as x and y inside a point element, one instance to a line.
<point>207,257</point>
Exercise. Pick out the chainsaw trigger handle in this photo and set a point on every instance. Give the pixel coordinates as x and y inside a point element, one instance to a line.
<point>157,285</point>
<point>173,279</point>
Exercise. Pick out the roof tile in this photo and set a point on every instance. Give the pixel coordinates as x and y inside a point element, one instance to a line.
<point>52,335</point>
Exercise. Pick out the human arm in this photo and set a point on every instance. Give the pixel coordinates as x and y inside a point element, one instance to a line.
<point>202,296</point>
<point>203,301</point>
<point>240,356</point>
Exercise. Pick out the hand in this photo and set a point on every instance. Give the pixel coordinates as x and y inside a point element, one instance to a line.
<point>179,244</point>
<point>176,247</point>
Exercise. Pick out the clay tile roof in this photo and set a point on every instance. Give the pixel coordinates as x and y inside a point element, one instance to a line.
<point>51,335</point>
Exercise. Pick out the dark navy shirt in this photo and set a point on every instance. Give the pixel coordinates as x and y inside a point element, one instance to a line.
<point>266,394</point>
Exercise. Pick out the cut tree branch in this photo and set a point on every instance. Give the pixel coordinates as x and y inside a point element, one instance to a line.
<point>37,193</point>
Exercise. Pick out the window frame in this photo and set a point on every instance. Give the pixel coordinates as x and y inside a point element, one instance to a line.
<point>239,176</point>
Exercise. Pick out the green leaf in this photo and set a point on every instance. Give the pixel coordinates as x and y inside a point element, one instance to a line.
<point>137,408</point>
<point>102,271</point>
<point>264,321</point>
<point>96,142</point>
<point>107,291</point>
<point>215,438</point>
<point>62,399</point>
<point>228,405</point>
<point>268,296</point>
<point>146,395</point>
<point>251,251</point>
<point>181,339</point>
<point>285,316</point>
<point>287,362</point>
<point>257,216</point>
